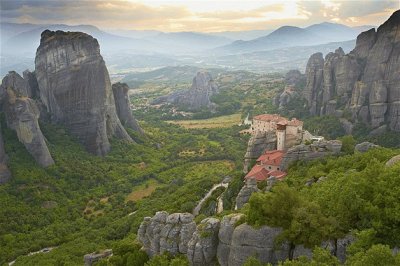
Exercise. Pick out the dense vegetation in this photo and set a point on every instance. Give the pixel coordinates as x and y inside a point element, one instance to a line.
<point>80,205</point>
<point>358,195</point>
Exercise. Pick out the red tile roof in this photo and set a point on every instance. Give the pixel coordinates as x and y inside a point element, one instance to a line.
<point>258,172</point>
<point>271,158</point>
<point>268,117</point>
<point>295,122</point>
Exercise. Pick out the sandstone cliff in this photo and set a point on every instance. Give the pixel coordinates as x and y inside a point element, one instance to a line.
<point>364,82</point>
<point>75,87</point>
<point>318,149</point>
<point>195,98</point>
<point>122,104</point>
<point>166,233</point>
<point>257,145</point>
<point>220,242</point>
<point>22,114</point>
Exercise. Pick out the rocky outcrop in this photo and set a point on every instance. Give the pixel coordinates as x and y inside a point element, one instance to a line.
<point>195,98</point>
<point>122,104</point>
<point>245,193</point>
<point>5,174</point>
<point>166,233</point>
<point>364,82</point>
<point>91,258</point>
<point>365,146</point>
<point>228,242</point>
<point>294,78</point>
<point>22,115</point>
<point>18,83</point>
<point>283,99</point>
<point>394,160</point>
<point>314,75</point>
<point>202,247</point>
<point>239,242</point>
<point>257,145</point>
<point>75,88</point>
<point>317,149</point>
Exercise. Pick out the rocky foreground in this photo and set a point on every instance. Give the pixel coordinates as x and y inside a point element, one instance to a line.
<point>224,242</point>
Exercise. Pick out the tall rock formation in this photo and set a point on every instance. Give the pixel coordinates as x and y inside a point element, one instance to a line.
<point>22,114</point>
<point>75,87</point>
<point>314,74</point>
<point>366,81</point>
<point>195,98</point>
<point>122,104</point>
<point>4,172</point>
<point>257,145</point>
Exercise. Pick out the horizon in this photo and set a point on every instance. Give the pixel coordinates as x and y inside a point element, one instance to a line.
<point>197,16</point>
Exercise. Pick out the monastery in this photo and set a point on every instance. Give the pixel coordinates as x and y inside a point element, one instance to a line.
<point>288,133</point>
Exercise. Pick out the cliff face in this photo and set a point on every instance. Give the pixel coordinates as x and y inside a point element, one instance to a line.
<point>365,81</point>
<point>257,145</point>
<point>4,172</point>
<point>122,104</point>
<point>195,98</point>
<point>22,114</point>
<point>75,87</point>
<point>220,242</point>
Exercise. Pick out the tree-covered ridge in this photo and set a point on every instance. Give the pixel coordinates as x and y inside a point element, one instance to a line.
<point>357,194</point>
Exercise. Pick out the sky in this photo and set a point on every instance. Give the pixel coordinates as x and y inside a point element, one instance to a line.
<point>201,15</point>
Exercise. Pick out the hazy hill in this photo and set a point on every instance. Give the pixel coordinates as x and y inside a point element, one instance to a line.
<point>165,74</point>
<point>26,42</point>
<point>186,42</point>
<point>242,35</point>
<point>289,36</point>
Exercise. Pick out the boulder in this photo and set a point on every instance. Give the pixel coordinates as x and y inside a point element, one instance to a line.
<point>75,88</point>
<point>91,258</point>
<point>122,104</point>
<point>245,193</point>
<point>394,160</point>
<point>202,247</point>
<point>365,146</point>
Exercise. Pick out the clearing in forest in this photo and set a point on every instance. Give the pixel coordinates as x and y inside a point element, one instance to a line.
<point>215,122</point>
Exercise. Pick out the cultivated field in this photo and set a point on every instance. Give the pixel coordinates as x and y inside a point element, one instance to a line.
<point>215,122</point>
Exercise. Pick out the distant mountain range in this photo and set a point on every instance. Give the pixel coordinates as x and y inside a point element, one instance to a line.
<point>289,36</point>
<point>130,50</point>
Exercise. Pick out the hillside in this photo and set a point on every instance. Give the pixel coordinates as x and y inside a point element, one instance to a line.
<point>289,36</point>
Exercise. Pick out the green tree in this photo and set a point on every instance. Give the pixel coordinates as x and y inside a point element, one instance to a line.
<point>377,255</point>
<point>348,144</point>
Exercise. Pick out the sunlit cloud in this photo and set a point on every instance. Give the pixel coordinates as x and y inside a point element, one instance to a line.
<point>204,15</point>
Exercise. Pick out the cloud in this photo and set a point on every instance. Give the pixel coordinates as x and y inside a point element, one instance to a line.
<point>207,15</point>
